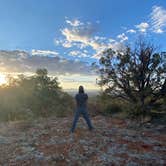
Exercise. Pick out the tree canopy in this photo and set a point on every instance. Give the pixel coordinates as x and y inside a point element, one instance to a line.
<point>33,96</point>
<point>138,75</point>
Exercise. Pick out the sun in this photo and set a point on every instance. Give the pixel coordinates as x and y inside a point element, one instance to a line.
<point>2,79</point>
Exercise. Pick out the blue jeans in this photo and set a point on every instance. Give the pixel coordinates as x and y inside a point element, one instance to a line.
<point>78,112</point>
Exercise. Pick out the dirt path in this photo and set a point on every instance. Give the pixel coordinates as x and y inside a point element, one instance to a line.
<point>113,142</point>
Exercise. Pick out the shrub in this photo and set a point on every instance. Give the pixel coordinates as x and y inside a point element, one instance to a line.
<point>112,108</point>
<point>31,97</point>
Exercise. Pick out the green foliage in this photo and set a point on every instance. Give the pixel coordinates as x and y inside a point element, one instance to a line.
<point>30,97</point>
<point>109,105</point>
<point>113,108</point>
<point>138,76</point>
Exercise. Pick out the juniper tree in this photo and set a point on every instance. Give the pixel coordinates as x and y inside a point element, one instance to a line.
<point>136,75</point>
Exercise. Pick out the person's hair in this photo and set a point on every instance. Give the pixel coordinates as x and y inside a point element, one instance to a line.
<point>81,89</point>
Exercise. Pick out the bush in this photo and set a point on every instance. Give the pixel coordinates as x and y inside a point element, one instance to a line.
<point>112,108</point>
<point>31,97</point>
<point>109,105</point>
<point>135,74</point>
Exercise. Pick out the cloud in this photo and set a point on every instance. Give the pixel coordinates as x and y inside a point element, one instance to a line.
<point>67,44</point>
<point>17,55</point>
<point>116,46</point>
<point>131,31</point>
<point>156,23</point>
<point>18,61</point>
<point>63,42</point>
<point>44,52</point>
<point>79,54</point>
<point>74,53</point>
<point>84,31</point>
<point>78,35</point>
<point>158,19</point>
<point>142,27</point>
<point>83,36</point>
<point>122,37</point>
<point>74,22</point>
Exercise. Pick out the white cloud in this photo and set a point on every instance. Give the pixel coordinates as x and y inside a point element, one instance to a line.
<point>116,46</point>
<point>78,33</point>
<point>44,52</point>
<point>75,35</point>
<point>67,44</point>
<point>158,19</point>
<point>63,42</point>
<point>85,51</point>
<point>158,31</point>
<point>122,37</point>
<point>79,54</point>
<point>131,31</point>
<point>74,23</point>
<point>142,27</point>
<point>74,53</point>
<point>83,36</point>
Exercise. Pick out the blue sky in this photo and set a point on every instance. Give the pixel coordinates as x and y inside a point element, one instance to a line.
<point>73,33</point>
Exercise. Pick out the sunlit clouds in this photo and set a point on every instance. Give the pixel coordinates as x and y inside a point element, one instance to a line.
<point>21,61</point>
<point>158,19</point>
<point>44,53</point>
<point>17,62</point>
<point>68,43</point>
<point>81,36</point>
<point>122,37</point>
<point>156,23</point>
<point>142,27</point>
<point>131,31</point>
<point>84,35</point>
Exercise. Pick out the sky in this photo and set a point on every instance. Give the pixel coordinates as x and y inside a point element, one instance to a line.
<point>67,36</point>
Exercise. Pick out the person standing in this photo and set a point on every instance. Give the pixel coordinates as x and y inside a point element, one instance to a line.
<point>81,101</point>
